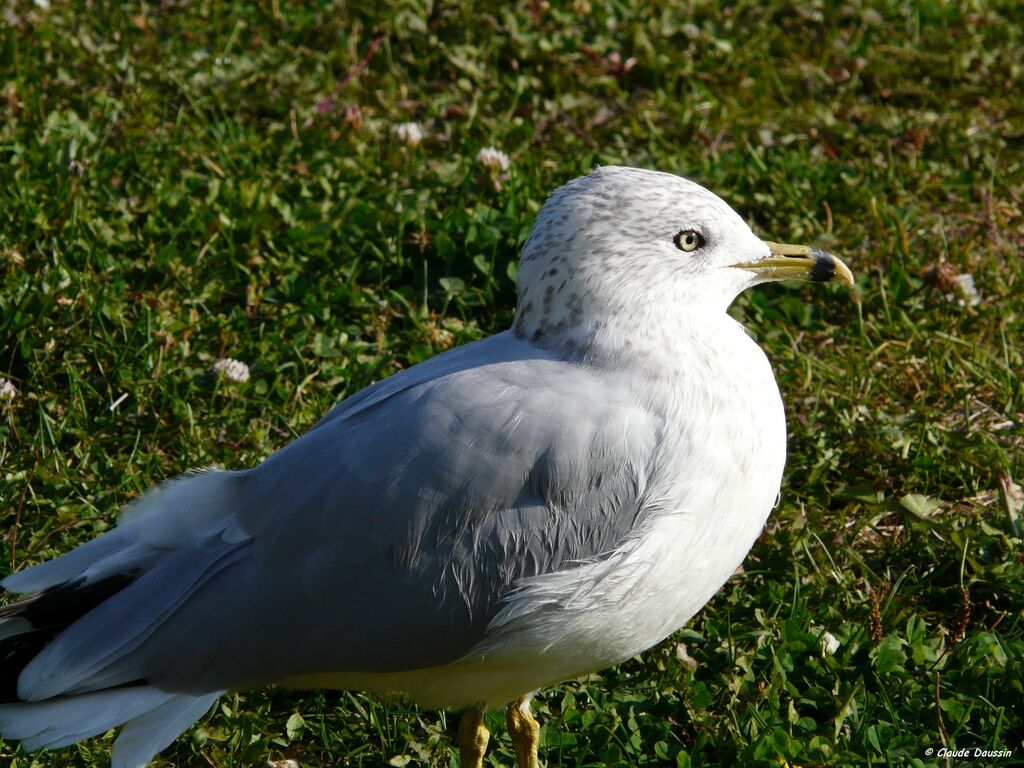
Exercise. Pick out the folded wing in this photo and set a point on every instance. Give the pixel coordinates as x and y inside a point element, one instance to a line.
<point>385,539</point>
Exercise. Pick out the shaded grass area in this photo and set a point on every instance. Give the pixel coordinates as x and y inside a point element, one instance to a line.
<point>187,181</point>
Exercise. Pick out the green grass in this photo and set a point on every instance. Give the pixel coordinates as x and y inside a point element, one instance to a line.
<point>184,181</point>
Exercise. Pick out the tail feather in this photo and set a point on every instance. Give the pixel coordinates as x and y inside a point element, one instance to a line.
<point>59,722</point>
<point>152,718</point>
<point>97,651</point>
<point>149,733</point>
<point>67,670</point>
<point>100,602</point>
<point>68,567</point>
<point>182,512</point>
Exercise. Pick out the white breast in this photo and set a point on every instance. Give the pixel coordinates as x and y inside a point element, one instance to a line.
<point>714,500</point>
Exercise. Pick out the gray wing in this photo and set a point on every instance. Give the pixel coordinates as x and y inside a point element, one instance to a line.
<point>386,537</point>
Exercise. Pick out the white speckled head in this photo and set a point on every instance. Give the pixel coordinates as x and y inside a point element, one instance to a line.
<point>604,252</point>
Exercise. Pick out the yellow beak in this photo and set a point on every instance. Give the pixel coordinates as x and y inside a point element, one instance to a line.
<point>799,262</point>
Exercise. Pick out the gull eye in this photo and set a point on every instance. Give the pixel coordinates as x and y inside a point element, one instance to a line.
<point>688,240</point>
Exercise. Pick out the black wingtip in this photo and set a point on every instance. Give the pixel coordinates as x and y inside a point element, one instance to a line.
<point>43,616</point>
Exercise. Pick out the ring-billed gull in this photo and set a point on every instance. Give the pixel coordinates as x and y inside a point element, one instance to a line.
<point>510,514</point>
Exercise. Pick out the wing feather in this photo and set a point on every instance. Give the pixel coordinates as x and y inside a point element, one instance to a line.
<point>384,539</point>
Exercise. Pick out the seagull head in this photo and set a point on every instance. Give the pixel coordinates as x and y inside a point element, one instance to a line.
<point>625,248</point>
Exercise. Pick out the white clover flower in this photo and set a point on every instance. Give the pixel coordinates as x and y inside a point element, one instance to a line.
<point>7,390</point>
<point>965,290</point>
<point>829,644</point>
<point>409,134</point>
<point>691,30</point>
<point>494,160</point>
<point>233,370</point>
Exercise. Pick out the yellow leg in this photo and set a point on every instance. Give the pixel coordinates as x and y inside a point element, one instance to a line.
<point>524,731</point>
<point>473,738</point>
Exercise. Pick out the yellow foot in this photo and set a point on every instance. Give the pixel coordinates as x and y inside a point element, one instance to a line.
<point>524,731</point>
<point>473,738</point>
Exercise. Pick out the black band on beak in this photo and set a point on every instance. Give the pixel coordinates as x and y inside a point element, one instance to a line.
<point>824,269</point>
